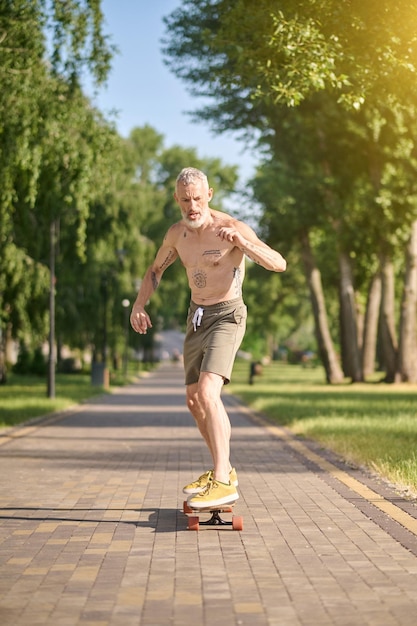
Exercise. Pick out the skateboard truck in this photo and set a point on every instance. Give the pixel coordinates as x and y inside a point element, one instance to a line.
<point>215,519</point>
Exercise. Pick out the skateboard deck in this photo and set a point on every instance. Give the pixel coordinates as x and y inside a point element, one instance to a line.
<point>194,522</point>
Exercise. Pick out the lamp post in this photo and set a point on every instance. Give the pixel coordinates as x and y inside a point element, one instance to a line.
<point>51,359</point>
<point>126,305</point>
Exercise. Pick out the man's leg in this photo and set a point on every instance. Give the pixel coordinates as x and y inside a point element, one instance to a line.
<point>198,414</point>
<point>205,404</point>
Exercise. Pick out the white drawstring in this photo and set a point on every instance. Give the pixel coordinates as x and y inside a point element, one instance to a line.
<point>198,316</point>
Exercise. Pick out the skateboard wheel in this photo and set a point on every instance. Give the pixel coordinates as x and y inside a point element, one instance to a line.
<point>186,507</point>
<point>237,522</point>
<point>193,523</point>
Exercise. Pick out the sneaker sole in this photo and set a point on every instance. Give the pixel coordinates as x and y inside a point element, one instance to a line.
<point>226,500</point>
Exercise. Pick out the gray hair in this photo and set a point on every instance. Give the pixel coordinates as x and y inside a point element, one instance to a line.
<point>190,175</point>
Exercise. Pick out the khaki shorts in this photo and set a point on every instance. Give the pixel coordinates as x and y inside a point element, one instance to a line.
<point>214,334</point>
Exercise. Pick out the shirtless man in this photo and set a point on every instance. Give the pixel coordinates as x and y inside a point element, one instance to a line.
<point>212,247</point>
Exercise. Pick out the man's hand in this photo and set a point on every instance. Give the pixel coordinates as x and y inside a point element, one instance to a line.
<point>230,233</point>
<point>140,320</point>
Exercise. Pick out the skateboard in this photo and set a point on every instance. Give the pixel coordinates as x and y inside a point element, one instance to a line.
<point>194,522</point>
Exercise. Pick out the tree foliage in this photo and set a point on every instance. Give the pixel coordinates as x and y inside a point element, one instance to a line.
<point>62,164</point>
<point>55,149</point>
<point>329,89</point>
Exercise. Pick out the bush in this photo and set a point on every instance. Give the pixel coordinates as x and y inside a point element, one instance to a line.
<point>30,362</point>
<point>24,359</point>
<point>39,365</point>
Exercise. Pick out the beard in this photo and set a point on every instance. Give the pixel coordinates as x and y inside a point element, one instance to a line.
<point>195,223</point>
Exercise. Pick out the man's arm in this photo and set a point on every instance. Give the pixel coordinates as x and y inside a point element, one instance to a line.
<point>245,238</point>
<point>166,255</point>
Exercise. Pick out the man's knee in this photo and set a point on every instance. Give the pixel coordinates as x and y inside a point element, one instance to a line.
<point>199,401</point>
<point>192,398</point>
<point>202,395</point>
<point>208,398</point>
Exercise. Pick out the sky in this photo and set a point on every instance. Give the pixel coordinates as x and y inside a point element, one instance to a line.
<point>143,91</point>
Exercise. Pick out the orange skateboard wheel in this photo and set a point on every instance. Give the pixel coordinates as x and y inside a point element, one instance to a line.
<point>186,507</point>
<point>237,522</point>
<point>193,523</point>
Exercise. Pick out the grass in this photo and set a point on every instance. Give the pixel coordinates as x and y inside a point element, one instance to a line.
<point>371,424</point>
<point>25,397</point>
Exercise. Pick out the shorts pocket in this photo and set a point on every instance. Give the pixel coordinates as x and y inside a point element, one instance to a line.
<point>240,314</point>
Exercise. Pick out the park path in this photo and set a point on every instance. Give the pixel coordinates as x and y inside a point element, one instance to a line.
<point>92,531</point>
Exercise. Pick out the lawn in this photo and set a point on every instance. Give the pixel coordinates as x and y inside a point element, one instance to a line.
<point>371,424</point>
<point>24,397</point>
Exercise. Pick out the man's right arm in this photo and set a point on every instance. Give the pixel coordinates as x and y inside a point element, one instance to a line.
<point>166,255</point>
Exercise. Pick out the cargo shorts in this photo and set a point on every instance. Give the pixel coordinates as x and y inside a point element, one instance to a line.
<point>213,336</point>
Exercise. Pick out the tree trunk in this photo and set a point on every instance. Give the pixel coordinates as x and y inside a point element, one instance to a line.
<point>351,357</point>
<point>407,352</point>
<point>389,344</point>
<point>3,370</point>
<point>6,351</point>
<point>370,334</point>
<point>325,345</point>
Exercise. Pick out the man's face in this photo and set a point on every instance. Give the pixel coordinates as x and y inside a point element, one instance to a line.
<point>193,201</point>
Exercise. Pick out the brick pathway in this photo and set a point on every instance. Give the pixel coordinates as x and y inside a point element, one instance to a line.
<point>92,531</point>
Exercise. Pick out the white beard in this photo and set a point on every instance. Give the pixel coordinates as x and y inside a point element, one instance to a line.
<point>194,223</point>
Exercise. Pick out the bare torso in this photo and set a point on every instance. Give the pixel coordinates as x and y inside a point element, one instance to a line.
<point>215,267</point>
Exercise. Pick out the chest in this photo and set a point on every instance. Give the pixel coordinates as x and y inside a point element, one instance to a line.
<point>208,252</point>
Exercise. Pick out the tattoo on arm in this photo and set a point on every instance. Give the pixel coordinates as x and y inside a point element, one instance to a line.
<point>250,247</point>
<point>251,258</point>
<point>167,261</point>
<point>154,281</point>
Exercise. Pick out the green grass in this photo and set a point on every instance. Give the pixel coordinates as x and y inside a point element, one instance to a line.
<point>372,424</point>
<point>25,397</point>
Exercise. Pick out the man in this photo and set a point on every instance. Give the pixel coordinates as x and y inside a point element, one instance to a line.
<point>212,247</point>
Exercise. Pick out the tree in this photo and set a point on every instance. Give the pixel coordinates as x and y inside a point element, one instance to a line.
<point>45,172</point>
<point>315,56</point>
<point>407,353</point>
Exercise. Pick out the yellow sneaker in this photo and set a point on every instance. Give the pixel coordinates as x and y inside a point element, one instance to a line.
<point>215,494</point>
<point>201,483</point>
<point>233,477</point>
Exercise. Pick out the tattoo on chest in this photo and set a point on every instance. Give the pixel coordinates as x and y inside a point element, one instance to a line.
<point>200,279</point>
<point>211,253</point>
<point>214,256</point>
<point>238,280</point>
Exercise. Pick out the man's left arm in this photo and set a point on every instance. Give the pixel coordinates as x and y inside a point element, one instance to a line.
<point>245,238</point>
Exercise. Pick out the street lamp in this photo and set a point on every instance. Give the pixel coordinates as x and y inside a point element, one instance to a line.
<point>126,305</point>
<point>52,357</point>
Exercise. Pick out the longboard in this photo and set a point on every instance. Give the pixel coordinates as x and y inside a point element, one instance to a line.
<point>194,522</point>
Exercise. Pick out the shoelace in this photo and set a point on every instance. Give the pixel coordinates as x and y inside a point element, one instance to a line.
<point>198,316</point>
<point>208,477</point>
<point>210,485</point>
